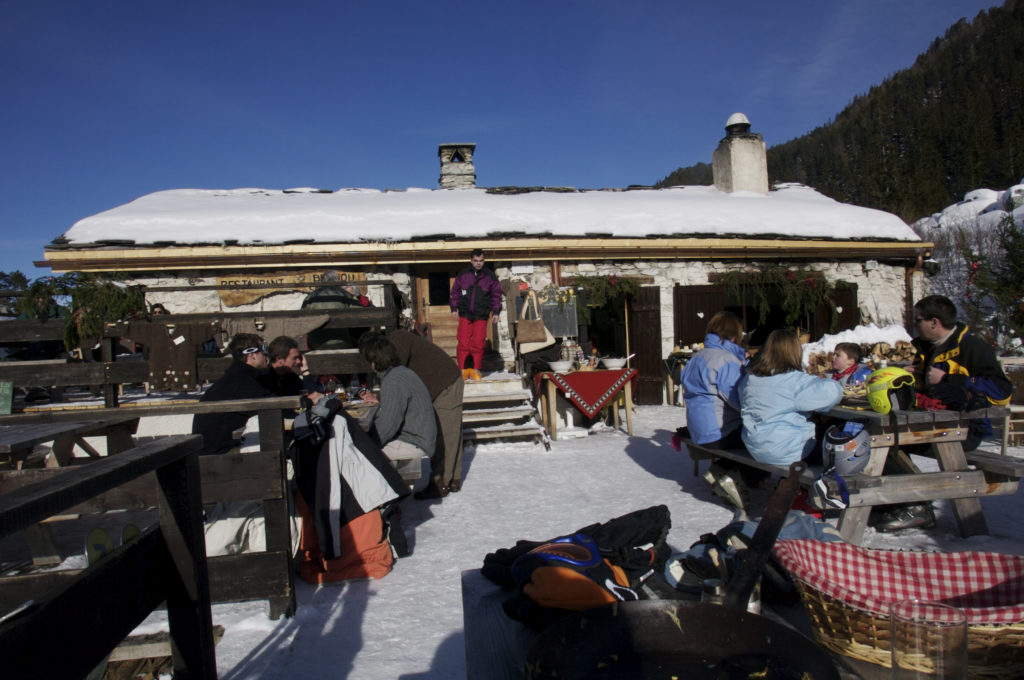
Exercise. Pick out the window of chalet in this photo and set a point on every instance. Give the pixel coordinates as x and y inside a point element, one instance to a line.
<point>695,305</point>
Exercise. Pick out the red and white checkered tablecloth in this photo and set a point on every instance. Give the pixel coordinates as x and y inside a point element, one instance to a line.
<point>988,587</point>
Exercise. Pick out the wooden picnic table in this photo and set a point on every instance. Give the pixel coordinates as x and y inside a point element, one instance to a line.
<point>588,392</point>
<point>944,432</point>
<point>19,439</point>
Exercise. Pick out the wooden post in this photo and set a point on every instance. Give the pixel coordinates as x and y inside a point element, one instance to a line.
<point>969,516</point>
<point>552,409</point>
<point>109,388</point>
<point>180,504</point>
<point>627,392</point>
<point>853,521</point>
<point>275,511</point>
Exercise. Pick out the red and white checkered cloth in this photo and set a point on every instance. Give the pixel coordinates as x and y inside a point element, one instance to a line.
<point>988,587</point>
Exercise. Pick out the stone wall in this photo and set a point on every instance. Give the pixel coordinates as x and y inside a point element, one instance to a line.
<point>881,289</point>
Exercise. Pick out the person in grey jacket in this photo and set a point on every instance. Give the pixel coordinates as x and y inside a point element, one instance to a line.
<point>405,420</point>
<point>443,381</point>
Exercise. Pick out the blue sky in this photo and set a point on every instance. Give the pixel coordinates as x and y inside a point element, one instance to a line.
<point>107,100</point>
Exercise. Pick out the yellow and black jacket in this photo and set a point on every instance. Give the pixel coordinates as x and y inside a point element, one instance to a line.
<point>974,377</point>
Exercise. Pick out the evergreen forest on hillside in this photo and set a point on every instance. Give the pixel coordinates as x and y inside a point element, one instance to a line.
<point>951,123</point>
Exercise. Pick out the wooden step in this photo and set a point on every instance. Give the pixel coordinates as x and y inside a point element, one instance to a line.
<point>505,414</point>
<point>484,397</point>
<point>503,432</point>
<point>498,382</point>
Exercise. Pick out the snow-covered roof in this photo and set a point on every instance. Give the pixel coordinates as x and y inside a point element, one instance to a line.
<point>262,216</point>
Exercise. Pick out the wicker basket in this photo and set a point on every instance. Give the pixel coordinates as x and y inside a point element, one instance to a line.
<point>847,590</point>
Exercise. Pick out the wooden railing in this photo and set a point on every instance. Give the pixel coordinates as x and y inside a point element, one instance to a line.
<point>110,371</point>
<point>224,478</point>
<point>65,631</point>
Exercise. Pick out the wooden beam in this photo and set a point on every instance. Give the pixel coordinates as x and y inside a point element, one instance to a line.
<point>924,488</point>
<point>225,478</point>
<point>222,257</point>
<point>152,409</point>
<point>32,504</point>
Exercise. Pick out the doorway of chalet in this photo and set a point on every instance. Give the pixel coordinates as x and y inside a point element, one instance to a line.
<point>433,291</point>
<point>626,325</point>
<point>433,294</point>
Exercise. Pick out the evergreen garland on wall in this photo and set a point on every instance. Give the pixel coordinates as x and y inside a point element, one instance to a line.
<point>800,291</point>
<point>599,291</point>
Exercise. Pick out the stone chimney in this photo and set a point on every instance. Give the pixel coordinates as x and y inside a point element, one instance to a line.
<point>740,162</point>
<point>457,171</point>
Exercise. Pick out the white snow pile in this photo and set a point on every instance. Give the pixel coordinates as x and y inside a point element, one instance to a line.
<point>987,207</point>
<point>869,334</point>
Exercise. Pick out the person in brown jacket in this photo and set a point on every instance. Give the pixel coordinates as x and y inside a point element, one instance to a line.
<point>443,380</point>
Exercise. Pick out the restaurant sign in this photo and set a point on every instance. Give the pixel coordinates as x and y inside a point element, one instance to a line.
<point>237,290</point>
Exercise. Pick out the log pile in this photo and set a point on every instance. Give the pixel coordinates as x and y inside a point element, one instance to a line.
<point>902,353</point>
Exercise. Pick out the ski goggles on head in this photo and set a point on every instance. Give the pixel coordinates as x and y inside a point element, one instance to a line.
<point>252,350</point>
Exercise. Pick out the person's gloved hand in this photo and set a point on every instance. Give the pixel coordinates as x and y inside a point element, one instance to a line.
<point>952,396</point>
<point>929,403</point>
<point>326,408</point>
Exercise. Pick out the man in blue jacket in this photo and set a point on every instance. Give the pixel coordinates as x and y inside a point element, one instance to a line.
<point>475,300</point>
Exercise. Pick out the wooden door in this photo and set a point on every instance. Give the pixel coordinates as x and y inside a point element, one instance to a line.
<point>693,307</point>
<point>645,340</point>
<point>433,291</point>
<point>847,313</point>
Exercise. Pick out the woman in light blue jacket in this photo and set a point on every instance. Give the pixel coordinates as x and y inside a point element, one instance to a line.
<point>709,385</point>
<point>777,398</point>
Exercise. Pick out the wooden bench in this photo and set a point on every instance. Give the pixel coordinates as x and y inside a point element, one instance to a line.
<point>68,627</point>
<point>1009,467</point>
<point>699,453</point>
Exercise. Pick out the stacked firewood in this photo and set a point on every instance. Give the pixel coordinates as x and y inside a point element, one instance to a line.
<point>901,353</point>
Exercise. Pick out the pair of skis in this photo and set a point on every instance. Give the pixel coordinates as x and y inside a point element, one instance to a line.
<point>98,543</point>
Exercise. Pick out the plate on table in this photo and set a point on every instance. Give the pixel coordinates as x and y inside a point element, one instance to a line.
<point>855,402</point>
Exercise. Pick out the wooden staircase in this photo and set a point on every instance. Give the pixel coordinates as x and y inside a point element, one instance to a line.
<point>499,407</point>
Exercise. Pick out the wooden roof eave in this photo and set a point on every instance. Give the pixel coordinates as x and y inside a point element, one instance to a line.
<point>220,257</point>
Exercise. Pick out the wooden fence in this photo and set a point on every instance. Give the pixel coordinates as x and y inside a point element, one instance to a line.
<point>111,370</point>
<point>69,627</point>
<point>233,477</point>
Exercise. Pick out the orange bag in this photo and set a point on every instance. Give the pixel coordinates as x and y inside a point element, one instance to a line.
<point>365,551</point>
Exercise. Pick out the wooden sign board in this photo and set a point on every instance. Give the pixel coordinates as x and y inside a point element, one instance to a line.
<point>242,289</point>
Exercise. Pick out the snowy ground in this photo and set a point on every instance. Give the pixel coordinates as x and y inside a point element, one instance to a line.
<point>409,624</point>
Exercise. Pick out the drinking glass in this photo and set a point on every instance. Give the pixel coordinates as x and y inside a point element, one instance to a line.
<point>929,640</point>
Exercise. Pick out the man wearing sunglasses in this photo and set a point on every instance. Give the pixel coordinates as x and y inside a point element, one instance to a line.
<point>240,381</point>
<point>961,370</point>
<point>956,366</point>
